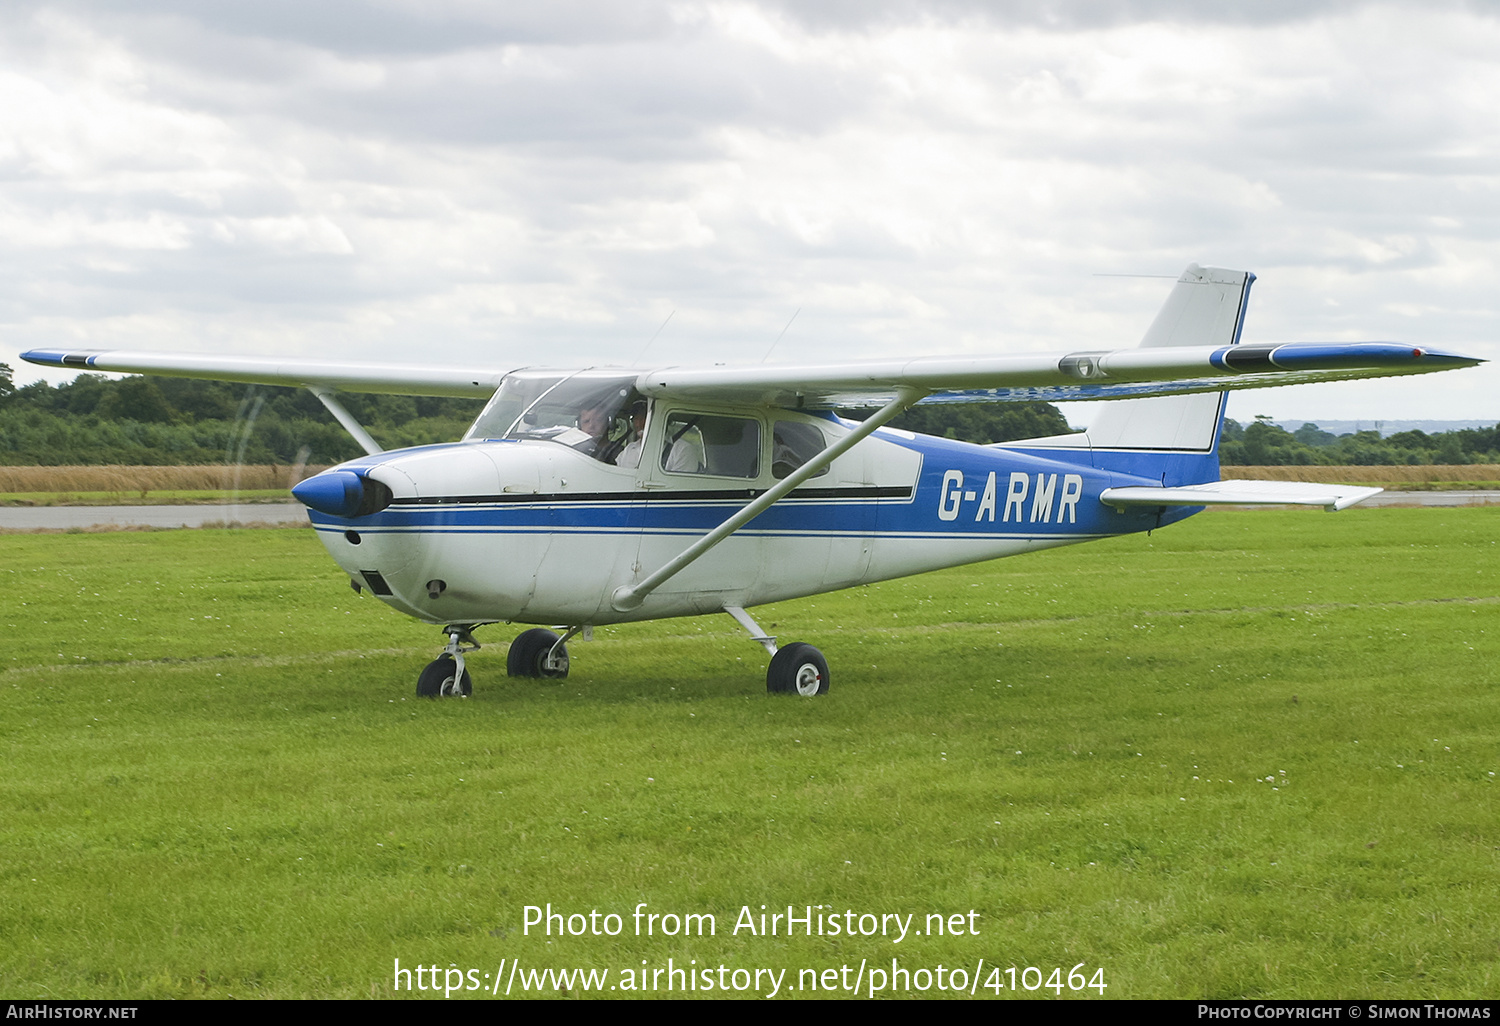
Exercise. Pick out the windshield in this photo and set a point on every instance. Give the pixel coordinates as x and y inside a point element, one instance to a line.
<point>586,410</point>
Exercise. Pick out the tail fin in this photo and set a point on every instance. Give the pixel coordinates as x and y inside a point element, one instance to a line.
<point>1206,308</point>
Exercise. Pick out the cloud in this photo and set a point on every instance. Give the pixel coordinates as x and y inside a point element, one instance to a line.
<point>389,180</point>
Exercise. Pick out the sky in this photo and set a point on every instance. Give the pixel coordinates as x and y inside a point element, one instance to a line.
<point>503,184</point>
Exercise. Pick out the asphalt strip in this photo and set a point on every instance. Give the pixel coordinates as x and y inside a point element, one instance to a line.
<point>67,518</point>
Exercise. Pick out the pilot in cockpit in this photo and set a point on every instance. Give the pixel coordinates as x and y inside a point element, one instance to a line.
<point>594,417</point>
<point>596,422</point>
<point>610,436</point>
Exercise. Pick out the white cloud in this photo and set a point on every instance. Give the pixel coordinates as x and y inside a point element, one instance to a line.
<point>396,180</point>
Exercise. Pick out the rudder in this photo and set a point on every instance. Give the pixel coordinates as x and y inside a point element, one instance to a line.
<point>1206,308</point>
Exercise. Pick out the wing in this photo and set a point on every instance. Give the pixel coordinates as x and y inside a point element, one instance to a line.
<point>1193,345</point>
<point>1117,374</point>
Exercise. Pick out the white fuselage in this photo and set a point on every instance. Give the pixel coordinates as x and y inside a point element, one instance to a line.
<point>538,532</point>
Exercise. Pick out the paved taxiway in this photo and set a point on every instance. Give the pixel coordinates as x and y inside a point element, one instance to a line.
<point>29,518</point>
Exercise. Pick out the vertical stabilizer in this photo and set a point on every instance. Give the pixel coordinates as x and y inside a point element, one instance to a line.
<point>1206,308</point>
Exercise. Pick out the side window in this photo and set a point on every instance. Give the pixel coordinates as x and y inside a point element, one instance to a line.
<point>699,443</point>
<point>793,443</point>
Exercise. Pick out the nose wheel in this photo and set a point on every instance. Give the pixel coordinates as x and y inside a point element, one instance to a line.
<point>446,676</point>
<point>443,679</point>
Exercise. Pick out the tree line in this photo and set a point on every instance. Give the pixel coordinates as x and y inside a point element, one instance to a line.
<point>148,420</point>
<point>1264,444</point>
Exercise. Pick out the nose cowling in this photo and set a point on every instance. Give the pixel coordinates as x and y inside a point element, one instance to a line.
<point>342,493</point>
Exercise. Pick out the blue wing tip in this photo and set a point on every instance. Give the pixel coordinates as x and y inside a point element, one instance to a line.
<point>1331,356</point>
<point>61,357</point>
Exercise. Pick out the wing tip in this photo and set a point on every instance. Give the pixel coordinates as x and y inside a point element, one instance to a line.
<point>81,358</point>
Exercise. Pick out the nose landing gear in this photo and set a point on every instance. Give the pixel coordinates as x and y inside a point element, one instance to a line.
<point>536,653</point>
<point>446,675</point>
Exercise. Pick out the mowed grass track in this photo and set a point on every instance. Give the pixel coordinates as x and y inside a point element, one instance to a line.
<point>1250,755</point>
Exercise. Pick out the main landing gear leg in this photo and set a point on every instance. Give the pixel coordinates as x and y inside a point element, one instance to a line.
<point>446,675</point>
<point>795,669</point>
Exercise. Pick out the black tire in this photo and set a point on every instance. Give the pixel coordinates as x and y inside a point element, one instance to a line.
<point>797,669</point>
<point>436,680</point>
<point>527,653</point>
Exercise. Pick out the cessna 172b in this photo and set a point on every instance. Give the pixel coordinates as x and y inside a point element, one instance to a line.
<point>604,495</point>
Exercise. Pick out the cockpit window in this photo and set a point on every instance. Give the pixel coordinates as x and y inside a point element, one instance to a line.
<point>589,411</point>
<point>516,392</point>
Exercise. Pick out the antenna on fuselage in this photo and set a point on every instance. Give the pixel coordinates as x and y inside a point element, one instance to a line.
<point>642,356</point>
<point>763,359</point>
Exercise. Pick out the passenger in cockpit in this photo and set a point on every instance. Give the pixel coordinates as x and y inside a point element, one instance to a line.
<point>630,456</point>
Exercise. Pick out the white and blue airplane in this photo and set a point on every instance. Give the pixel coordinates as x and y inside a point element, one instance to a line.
<point>585,497</point>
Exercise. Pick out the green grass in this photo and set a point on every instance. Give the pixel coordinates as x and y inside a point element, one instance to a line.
<point>220,782</point>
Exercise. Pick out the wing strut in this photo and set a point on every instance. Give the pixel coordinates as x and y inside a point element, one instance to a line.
<point>628,597</point>
<point>345,418</point>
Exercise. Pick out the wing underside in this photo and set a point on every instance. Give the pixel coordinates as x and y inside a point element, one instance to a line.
<point>1117,374</point>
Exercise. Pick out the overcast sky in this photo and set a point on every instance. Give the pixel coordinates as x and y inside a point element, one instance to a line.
<point>468,181</point>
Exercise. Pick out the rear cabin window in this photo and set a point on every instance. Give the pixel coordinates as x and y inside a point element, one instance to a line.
<point>700,443</point>
<point>793,443</point>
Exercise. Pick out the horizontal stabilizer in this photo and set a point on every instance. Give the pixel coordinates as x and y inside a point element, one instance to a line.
<point>1241,493</point>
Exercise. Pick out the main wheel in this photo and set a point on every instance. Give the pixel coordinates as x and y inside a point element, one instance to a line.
<point>528,656</point>
<point>436,680</point>
<point>798,669</point>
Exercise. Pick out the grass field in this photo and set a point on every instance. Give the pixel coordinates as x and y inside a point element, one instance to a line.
<point>1426,477</point>
<point>1252,755</point>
